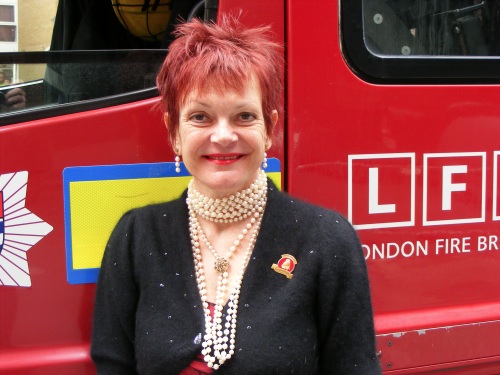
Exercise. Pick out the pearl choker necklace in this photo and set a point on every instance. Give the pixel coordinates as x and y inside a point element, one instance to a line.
<point>236,207</point>
<point>219,339</point>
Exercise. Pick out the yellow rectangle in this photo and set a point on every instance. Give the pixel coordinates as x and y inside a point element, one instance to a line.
<point>96,207</point>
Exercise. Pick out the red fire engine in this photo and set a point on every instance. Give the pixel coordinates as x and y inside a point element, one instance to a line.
<point>391,116</point>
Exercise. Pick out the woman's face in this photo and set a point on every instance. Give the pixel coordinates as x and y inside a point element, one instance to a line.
<point>222,138</point>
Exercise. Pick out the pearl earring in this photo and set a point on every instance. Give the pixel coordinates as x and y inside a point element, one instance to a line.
<point>264,162</point>
<point>177,162</point>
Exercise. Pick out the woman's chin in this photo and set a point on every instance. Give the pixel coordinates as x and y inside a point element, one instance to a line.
<point>223,183</point>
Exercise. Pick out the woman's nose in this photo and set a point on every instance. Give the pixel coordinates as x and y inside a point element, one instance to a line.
<point>223,133</point>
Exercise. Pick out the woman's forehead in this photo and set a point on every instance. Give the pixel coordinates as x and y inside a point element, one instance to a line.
<point>245,87</point>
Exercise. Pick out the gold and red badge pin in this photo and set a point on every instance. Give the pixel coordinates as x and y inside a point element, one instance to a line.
<point>285,265</point>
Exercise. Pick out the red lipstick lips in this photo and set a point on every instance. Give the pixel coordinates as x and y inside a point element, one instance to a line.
<point>223,159</point>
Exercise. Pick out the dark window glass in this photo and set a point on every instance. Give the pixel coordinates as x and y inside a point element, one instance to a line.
<point>422,41</point>
<point>445,27</point>
<point>7,33</point>
<point>72,58</point>
<point>6,13</point>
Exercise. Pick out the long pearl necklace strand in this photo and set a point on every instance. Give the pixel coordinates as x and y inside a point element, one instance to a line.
<point>219,339</point>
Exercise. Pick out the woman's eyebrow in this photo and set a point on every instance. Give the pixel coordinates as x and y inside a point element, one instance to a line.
<point>246,104</point>
<point>196,102</point>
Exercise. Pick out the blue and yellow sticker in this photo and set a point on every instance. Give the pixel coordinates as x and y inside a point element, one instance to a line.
<point>95,197</point>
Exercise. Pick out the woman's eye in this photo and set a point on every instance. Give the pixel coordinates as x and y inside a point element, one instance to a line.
<point>247,116</point>
<point>198,117</point>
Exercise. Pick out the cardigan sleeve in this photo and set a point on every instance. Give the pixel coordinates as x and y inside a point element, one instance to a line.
<point>345,324</point>
<point>112,348</point>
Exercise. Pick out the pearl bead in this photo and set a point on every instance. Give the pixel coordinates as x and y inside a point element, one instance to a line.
<point>225,210</point>
<point>232,208</point>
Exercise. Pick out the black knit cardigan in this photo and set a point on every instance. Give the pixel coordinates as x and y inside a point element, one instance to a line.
<point>148,316</point>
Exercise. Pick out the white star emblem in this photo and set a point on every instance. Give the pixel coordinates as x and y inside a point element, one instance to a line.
<point>20,229</point>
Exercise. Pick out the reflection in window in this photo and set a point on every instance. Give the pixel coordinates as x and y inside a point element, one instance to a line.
<point>432,27</point>
<point>87,52</point>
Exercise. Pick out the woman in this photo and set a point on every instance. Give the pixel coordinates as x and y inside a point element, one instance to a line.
<point>234,277</point>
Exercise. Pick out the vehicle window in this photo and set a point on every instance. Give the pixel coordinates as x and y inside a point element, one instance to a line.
<point>423,40</point>
<point>68,53</point>
<point>447,27</point>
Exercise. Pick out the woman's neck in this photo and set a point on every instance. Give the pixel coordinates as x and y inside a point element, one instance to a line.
<point>232,208</point>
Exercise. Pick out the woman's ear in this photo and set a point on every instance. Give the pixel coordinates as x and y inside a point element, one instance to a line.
<point>176,144</point>
<point>274,121</point>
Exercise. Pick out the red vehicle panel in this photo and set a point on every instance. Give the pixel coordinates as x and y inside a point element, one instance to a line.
<point>434,279</point>
<point>412,163</point>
